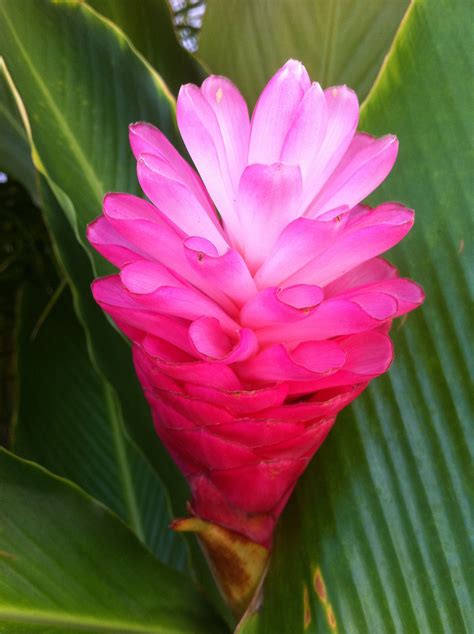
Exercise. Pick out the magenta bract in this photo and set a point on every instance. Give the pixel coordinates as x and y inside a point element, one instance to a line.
<point>253,293</point>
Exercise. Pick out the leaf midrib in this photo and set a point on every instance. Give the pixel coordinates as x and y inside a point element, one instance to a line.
<point>68,619</point>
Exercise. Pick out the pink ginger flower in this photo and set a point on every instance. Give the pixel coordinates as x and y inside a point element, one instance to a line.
<point>252,290</point>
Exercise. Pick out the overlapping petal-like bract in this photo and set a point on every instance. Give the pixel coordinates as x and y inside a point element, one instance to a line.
<point>253,293</point>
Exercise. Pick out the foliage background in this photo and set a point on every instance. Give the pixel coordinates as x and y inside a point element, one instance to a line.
<point>375,538</point>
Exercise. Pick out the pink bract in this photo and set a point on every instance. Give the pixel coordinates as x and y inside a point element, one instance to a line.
<point>252,290</point>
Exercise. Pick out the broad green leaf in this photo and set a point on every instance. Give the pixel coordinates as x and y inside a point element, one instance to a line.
<point>58,54</point>
<point>68,564</point>
<point>81,84</point>
<point>339,41</point>
<point>376,535</point>
<point>148,25</point>
<point>82,159</point>
<point>131,487</point>
<point>67,421</point>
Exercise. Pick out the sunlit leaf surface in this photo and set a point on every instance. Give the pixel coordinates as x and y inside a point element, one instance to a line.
<point>375,538</point>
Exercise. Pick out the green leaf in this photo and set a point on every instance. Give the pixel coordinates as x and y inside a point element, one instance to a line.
<point>115,470</point>
<point>339,41</point>
<point>68,564</point>
<point>68,422</point>
<point>81,84</point>
<point>58,54</point>
<point>78,129</point>
<point>149,26</point>
<point>376,534</point>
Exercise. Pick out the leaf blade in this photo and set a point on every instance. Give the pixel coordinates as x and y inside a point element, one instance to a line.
<point>70,552</point>
<point>77,39</point>
<point>107,348</point>
<point>383,544</point>
<point>338,41</point>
